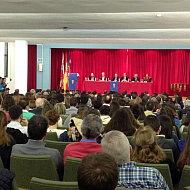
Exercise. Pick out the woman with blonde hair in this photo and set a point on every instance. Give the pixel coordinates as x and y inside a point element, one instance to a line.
<point>6,142</point>
<point>148,151</point>
<point>61,110</point>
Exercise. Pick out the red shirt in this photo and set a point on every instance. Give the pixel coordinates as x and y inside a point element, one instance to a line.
<point>81,149</point>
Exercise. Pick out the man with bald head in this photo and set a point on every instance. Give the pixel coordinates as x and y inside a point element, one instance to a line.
<point>135,78</point>
<point>39,106</point>
<point>103,78</point>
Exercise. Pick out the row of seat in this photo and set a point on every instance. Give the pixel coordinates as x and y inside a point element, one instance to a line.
<point>26,167</point>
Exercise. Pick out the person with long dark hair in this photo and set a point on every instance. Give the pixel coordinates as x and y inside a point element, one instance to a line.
<point>6,141</point>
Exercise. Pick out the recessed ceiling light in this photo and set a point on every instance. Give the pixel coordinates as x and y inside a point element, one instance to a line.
<point>158,15</point>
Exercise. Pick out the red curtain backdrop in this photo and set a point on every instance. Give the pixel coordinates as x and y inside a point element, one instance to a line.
<point>164,66</point>
<point>32,65</point>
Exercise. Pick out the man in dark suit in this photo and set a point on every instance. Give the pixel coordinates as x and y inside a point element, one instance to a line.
<point>135,78</point>
<point>103,78</point>
<point>92,77</point>
<point>124,78</point>
<point>39,106</point>
<point>116,78</point>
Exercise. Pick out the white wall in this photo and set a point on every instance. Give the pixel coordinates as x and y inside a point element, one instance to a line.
<point>2,52</point>
<point>11,67</point>
<point>21,65</point>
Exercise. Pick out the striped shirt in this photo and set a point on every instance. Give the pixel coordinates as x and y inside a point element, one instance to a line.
<point>131,176</point>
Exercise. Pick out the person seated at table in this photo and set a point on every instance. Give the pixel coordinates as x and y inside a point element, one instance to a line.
<point>147,78</point>
<point>103,78</point>
<point>116,78</point>
<point>124,78</point>
<point>135,78</point>
<point>92,77</point>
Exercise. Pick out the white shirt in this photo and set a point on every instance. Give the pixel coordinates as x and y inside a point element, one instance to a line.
<point>17,125</point>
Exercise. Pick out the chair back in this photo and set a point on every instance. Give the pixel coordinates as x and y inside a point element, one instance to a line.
<point>163,169</point>
<point>14,185</point>
<point>184,134</point>
<point>184,182</point>
<point>42,184</point>
<point>70,169</point>
<point>1,163</point>
<point>183,118</point>
<point>52,136</point>
<point>63,127</point>
<point>60,146</point>
<point>185,129</point>
<point>27,166</point>
<point>169,154</point>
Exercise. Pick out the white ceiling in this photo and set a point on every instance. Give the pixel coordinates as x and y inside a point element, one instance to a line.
<point>97,21</point>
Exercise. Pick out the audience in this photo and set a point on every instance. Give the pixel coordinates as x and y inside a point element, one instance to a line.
<point>6,141</point>
<point>164,143</point>
<point>16,115</point>
<point>73,105</point>
<point>114,106</point>
<point>150,108</point>
<point>90,128</point>
<point>53,118</point>
<point>116,144</point>
<point>37,130</point>
<point>120,122</point>
<point>61,110</point>
<point>97,171</point>
<point>147,151</point>
<point>39,106</point>
<point>104,111</point>
<point>185,123</point>
<point>24,103</point>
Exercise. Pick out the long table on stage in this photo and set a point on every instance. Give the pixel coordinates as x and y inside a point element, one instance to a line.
<point>101,86</point>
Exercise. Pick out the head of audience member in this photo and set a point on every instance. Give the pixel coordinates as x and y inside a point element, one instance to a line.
<point>39,103</point>
<point>60,109</point>
<point>82,112</point>
<point>60,98</point>
<point>94,111</point>
<point>103,74</point>
<point>73,102</point>
<point>105,110</point>
<point>24,103</point>
<point>97,171</point>
<point>105,92</point>
<point>134,95</point>
<point>37,127</point>
<point>153,122</point>
<point>32,91</point>
<point>146,148</point>
<point>187,104</point>
<point>8,102</point>
<point>58,91</point>
<point>135,76</point>
<point>114,106</point>
<point>53,102</point>
<point>47,106</point>
<point>110,143</point>
<point>116,75</point>
<point>124,74</point>
<point>38,95</point>
<point>32,104</point>
<point>15,113</point>
<point>45,94</point>
<point>187,119</point>
<point>16,92</point>
<point>92,74</point>
<point>5,139</point>
<point>150,105</point>
<point>4,80</point>
<point>121,122</point>
<point>122,102</point>
<point>91,126</point>
<point>97,104</point>
<point>136,111</point>
<point>84,99</point>
<point>166,126</point>
<point>132,118</point>
<point>107,99</point>
<point>53,117</point>
<point>29,96</point>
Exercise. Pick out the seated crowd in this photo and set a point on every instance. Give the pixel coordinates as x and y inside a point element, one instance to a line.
<point>111,133</point>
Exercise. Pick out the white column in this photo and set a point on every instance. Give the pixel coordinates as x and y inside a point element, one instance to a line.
<point>11,67</point>
<point>2,52</point>
<point>21,65</point>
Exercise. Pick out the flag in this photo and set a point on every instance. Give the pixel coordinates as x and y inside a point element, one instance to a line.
<point>62,73</point>
<point>69,69</point>
<point>66,74</point>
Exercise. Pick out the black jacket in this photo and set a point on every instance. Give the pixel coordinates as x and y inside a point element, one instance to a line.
<point>133,79</point>
<point>114,79</point>
<point>127,78</point>
<point>37,111</point>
